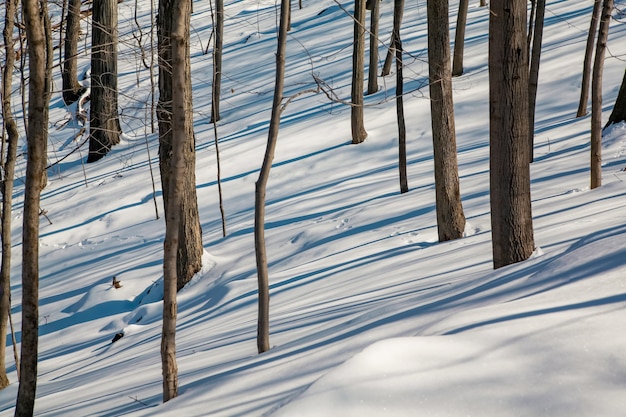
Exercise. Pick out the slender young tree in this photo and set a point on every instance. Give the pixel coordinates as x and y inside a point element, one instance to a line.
<point>71,87</point>
<point>263,329</point>
<point>596,95</point>
<point>372,75</point>
<point>398,11</point>
<point>190,233</point>
<point>356,116</point>
<point>619,109</point>
<point>591,37</point>
<point>509,170</point>
<point>217,60</point>
<point>8,174</point>
<point>38,100</point>
<point>459,38</point>
<point>450,217</point>
<point>104,124</point>
<point>533,78</point>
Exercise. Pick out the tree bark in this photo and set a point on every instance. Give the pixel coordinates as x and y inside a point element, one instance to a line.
<point>619,109</point>
<point>533,78</point>
<point>71,87</point>
<point>217,60</point>
<point>104,125</point>
<point>459,38</point>
<point>356,120</point>
<point>398,11</point>
<point>263,332</point>
<point>8,176</point>
<point>38,99</point>
<point>584,88</point>
<point>511,213</point>
<point>450,217</point>
<point>372,77</point>
<point>596,95</point>
<point>190,233</point>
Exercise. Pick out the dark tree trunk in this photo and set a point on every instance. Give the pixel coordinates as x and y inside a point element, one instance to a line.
<point>511,213</point>
<point>8,175</point>
<point>459,38</point>
<point>619,109</point>
<point>217,60</point>
<point>263,329</point>
<point>190,233</point>
<point>596,95</point>
<point>372,77</point>
<point>450,217</point>
<point>104,126</point>
<point>358,57</point>
<point>533,78</point>
<point>38,100</point>
<point>388,58</point>
<point>591,37</point>
<point>398,11</point>
<point>71,87</point>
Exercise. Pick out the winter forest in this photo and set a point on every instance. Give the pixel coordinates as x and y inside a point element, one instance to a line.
<point>313,208</point>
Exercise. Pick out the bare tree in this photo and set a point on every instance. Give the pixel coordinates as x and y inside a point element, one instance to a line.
<point>596,95</point>
<point>459,38</point>
<point>38,100</point>
<point>263,330</point>
<point>104,124</point>
<point>71,87</point>
<point>450,217</point>
<point>398,11</point>
<point>619,109</point>
<point>356,116</point>
<point>8,174</point>
<point>372,77</point>
<point>591,37</point>
<point>190,233</point>
<point>511,213</point>
<point>533,78</point>
<point>217,60</point>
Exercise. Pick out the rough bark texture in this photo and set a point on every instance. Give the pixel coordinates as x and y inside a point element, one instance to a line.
<point>217,60</point>
<point>190,233</point>
<point>104,125</point>
<point>263,329</point>
<point>71,87</point>
<point>533,78</point>
<point>619,109</point>
<point>356,120</point>
<point>596,95</point>
<point>372,75</point>
<point>398,11</point>
<point>8,175</point>
<point>511,214</point>
<point>450,217</point>
<point>459,38</point>
<point>38,99</point>
<point>584,88</point>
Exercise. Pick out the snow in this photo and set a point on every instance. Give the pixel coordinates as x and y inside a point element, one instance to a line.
<point>370,315</point>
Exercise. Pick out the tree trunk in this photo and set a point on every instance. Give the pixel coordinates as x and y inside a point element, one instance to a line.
<point>372,77</point>
<point>190,233</point>
<point>619,109</point>
<point>38,99</point>
<point>388,58</point>
<point>511,213</point>
<point>450,217</point>
<point>584,88</point>
<point>217,60</point>
<point>71,87</point>
<point>358,57</point>
<point>533,78</point>
<point>459,38</point>
<point>8,176</point>
<point>104,126</point>
<point>596,95</point>
<point>263,332</point>
<point>398,11</point>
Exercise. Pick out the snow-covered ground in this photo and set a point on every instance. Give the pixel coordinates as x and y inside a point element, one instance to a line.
<point>370,316</point>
